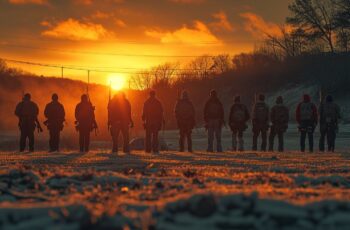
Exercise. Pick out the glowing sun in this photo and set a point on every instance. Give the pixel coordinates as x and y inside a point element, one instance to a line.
<point>116,81</point>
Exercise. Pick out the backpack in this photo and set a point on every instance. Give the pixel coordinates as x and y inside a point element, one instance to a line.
<point>330,113</point>
<point>281,115</point>
<point>184,110</point>
<point>306,111</point>
<point>238,114</point>
<point>261,112</point>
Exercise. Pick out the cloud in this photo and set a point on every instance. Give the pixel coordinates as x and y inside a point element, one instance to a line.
<point>72,29</point>
<point>222,22</point>
<point>197,35</point>
<point>258,27</point>
<point>120,23</point>
<point>37,2</point>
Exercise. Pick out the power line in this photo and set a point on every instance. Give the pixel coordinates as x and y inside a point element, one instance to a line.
<point>62,67</point>
<point>105,54</point>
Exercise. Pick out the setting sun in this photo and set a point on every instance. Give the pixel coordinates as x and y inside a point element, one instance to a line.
<point>116,81</point>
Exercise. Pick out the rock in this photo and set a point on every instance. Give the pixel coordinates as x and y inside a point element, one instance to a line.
<point>202,205</point>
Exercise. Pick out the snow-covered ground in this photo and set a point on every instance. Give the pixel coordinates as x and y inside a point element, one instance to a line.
<point>249,190</point>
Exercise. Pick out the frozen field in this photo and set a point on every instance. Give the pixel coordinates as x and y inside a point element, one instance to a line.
<point>174,190</point>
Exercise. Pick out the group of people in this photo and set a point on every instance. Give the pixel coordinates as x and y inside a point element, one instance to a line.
<point>120,121</point>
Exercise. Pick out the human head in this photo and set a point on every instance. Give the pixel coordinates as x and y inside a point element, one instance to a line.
<point>213,93</point>
<point>152,93</point>
<point>279,100</point>
<point>237,99</point>
<point>27,97</point>
<point>261,97</point>
<point>329,98</point>
<point>84,98</point>
<point>306,98</point>
<point>184,94</point>
<point>54,97</point>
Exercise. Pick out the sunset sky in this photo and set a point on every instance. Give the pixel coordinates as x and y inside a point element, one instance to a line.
<point>125,36</point>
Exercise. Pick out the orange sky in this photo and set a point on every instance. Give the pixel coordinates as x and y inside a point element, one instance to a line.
<point>125,36</point>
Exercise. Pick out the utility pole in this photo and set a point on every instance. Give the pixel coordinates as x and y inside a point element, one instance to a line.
<point>62,72</point>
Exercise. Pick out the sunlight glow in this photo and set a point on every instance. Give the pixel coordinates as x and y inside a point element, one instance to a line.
<point>117,81</point>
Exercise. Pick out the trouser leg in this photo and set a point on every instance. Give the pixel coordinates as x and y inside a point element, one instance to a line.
<point>271,139</point>
<point>148,141</point>
<point>125,133</point>
<point>255,140</point>
<point>182,140</point>
<point>22,141</point>
<point>81,141</point>
<point>155,141</point>
<point>280,141</point>
<point>263,140</point>
<point>311,141</point>
<point>210,139</point>
<point>51,140</point>
<point>31,140</point>
<point>218,139</point>
<point>322,141</point>
<point>234,140</point>
<point>240,141</point>
<point>87,141</point>
<point>115,138</point>
<point>302,140</point>
<point>57,140</point>
<point>189,140</point>
<point>331,136</point>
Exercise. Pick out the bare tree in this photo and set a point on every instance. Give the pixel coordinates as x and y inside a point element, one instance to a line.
<point>201,67</point>
<point>3,66</point>
<point>317,18</point>
<point>221,63</point>
<point>142,80</point>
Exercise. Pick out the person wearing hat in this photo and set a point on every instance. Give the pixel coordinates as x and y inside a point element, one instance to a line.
<point>238,118</point>
<point>186,120</point>
<point>260,120</point>
<point>153,121</point>
<point>306,116</point>
<point>214,120</point>
<point>85,122</point>
<point>27,112</point>
<point>55,115</point>
<point>279,117</point>
<point>329,118</point>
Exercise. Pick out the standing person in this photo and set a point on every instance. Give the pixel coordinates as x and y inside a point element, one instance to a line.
<point>260,120</point>
<point>27,112</point>
<point>279,118</point>
<point>329,117</point>
<point>239,116</point>
<point>85,122</point>
<point>119,120</point>
<point>153,119</point>
<point>214,120</point>
<point>306,116</point>
<point>185,117</point>
<point>55,115</point>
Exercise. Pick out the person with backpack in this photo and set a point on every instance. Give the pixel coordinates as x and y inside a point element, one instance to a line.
<point>306,116</point>
<point>153,121</point>
<point>185,116</point>
<point>55,115</point>
<point>329,117</point>
<point>119,120</point>
<point>85,122</point>
<point>214,120</point>
<point>238,118</point>
<point>27,112</point>
<point>279,117</point>
<point>260,120</point>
